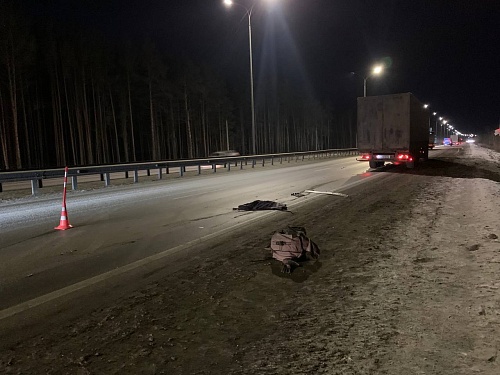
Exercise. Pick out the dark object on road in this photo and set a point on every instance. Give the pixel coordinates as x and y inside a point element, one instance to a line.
<point>261,205</point>
<point>291,245</point>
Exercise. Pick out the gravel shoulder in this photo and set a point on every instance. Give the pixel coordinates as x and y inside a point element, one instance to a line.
<point>406,284</point>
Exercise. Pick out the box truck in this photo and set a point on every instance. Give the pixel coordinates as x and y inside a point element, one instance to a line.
<point>392,128</point>
<point>432,140</point>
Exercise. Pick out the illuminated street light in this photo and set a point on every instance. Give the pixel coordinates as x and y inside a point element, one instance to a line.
<point>376,70</point>
<point>248,11</point>
<point>426,105</point>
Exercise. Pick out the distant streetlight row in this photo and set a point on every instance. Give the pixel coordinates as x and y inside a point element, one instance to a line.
<point>445,125</point>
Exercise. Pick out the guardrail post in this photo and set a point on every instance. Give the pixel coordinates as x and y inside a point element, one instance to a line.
<point>126,174</point>
<point>34,187</point>
<point>136,176</point>
<point>167,170</point>
<point>40,184</point>
<point>1,187</point>
<point>253,163</point>
<point>263,161</point>
<point>181,171</point>
<point>229,167</point>
<point>160,173</point>
<point>199,168</point>
<point>214,167</point>
<point>272,160</point>
<point>241,164</point>
<point>107,179</point>
<point>102,177</point>
<point>74,183</point>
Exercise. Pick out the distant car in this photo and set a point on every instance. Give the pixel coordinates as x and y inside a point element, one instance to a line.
<point>470,140</point>
<point>224,154</point>
<point>447,141</point>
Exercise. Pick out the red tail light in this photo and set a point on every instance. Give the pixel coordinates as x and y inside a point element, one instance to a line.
<point>365,156</point>
<point>405,157</point>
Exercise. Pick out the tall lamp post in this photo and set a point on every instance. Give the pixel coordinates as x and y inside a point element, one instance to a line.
<point>248,11</point>
<point>376,70</point>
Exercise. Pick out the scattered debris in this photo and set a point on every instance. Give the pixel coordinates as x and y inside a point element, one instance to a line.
<point>473,247</point>
<point>326,192</point>
<point>305,192</point>
<point>493,358</point>
<point>492,236</point>
<point>292,245</point>
<point>258,205</point>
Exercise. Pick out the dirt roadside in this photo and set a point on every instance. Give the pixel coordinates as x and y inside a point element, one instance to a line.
<point>407,283</point>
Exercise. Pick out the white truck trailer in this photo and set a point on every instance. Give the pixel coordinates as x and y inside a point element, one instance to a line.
<point>392,128</point>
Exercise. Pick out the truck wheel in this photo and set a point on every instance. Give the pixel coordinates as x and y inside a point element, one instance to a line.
<point>373,164</point>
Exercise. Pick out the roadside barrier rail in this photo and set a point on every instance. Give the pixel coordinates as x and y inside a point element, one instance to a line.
<point>36,177</point>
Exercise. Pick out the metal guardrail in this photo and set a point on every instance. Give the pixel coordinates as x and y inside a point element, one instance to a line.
<point>37,176</point>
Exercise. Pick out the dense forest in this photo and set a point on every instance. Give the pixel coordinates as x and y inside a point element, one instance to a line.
<point>73,98</point>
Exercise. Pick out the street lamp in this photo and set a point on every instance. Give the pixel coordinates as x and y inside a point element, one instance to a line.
<point>376,70</point>
<point>248,11</point>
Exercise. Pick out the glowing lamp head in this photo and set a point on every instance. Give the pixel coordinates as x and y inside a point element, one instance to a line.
<point>228,3</point>
<point>377,69</point>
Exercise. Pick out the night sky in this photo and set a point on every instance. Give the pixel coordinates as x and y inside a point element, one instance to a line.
<point>446,52</point>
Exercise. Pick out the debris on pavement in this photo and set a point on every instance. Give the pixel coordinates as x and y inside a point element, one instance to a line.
<point>291,245</point>
<point>306,192</point>
<point>258,205</point>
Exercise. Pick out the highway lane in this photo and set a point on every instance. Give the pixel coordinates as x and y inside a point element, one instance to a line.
<point>128,226</point>
<point>118,226</point>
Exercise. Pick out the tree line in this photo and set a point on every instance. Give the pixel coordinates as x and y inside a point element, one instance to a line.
<point>74,99</point>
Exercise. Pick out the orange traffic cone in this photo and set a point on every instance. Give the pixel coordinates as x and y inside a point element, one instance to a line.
<point>64,222</point>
